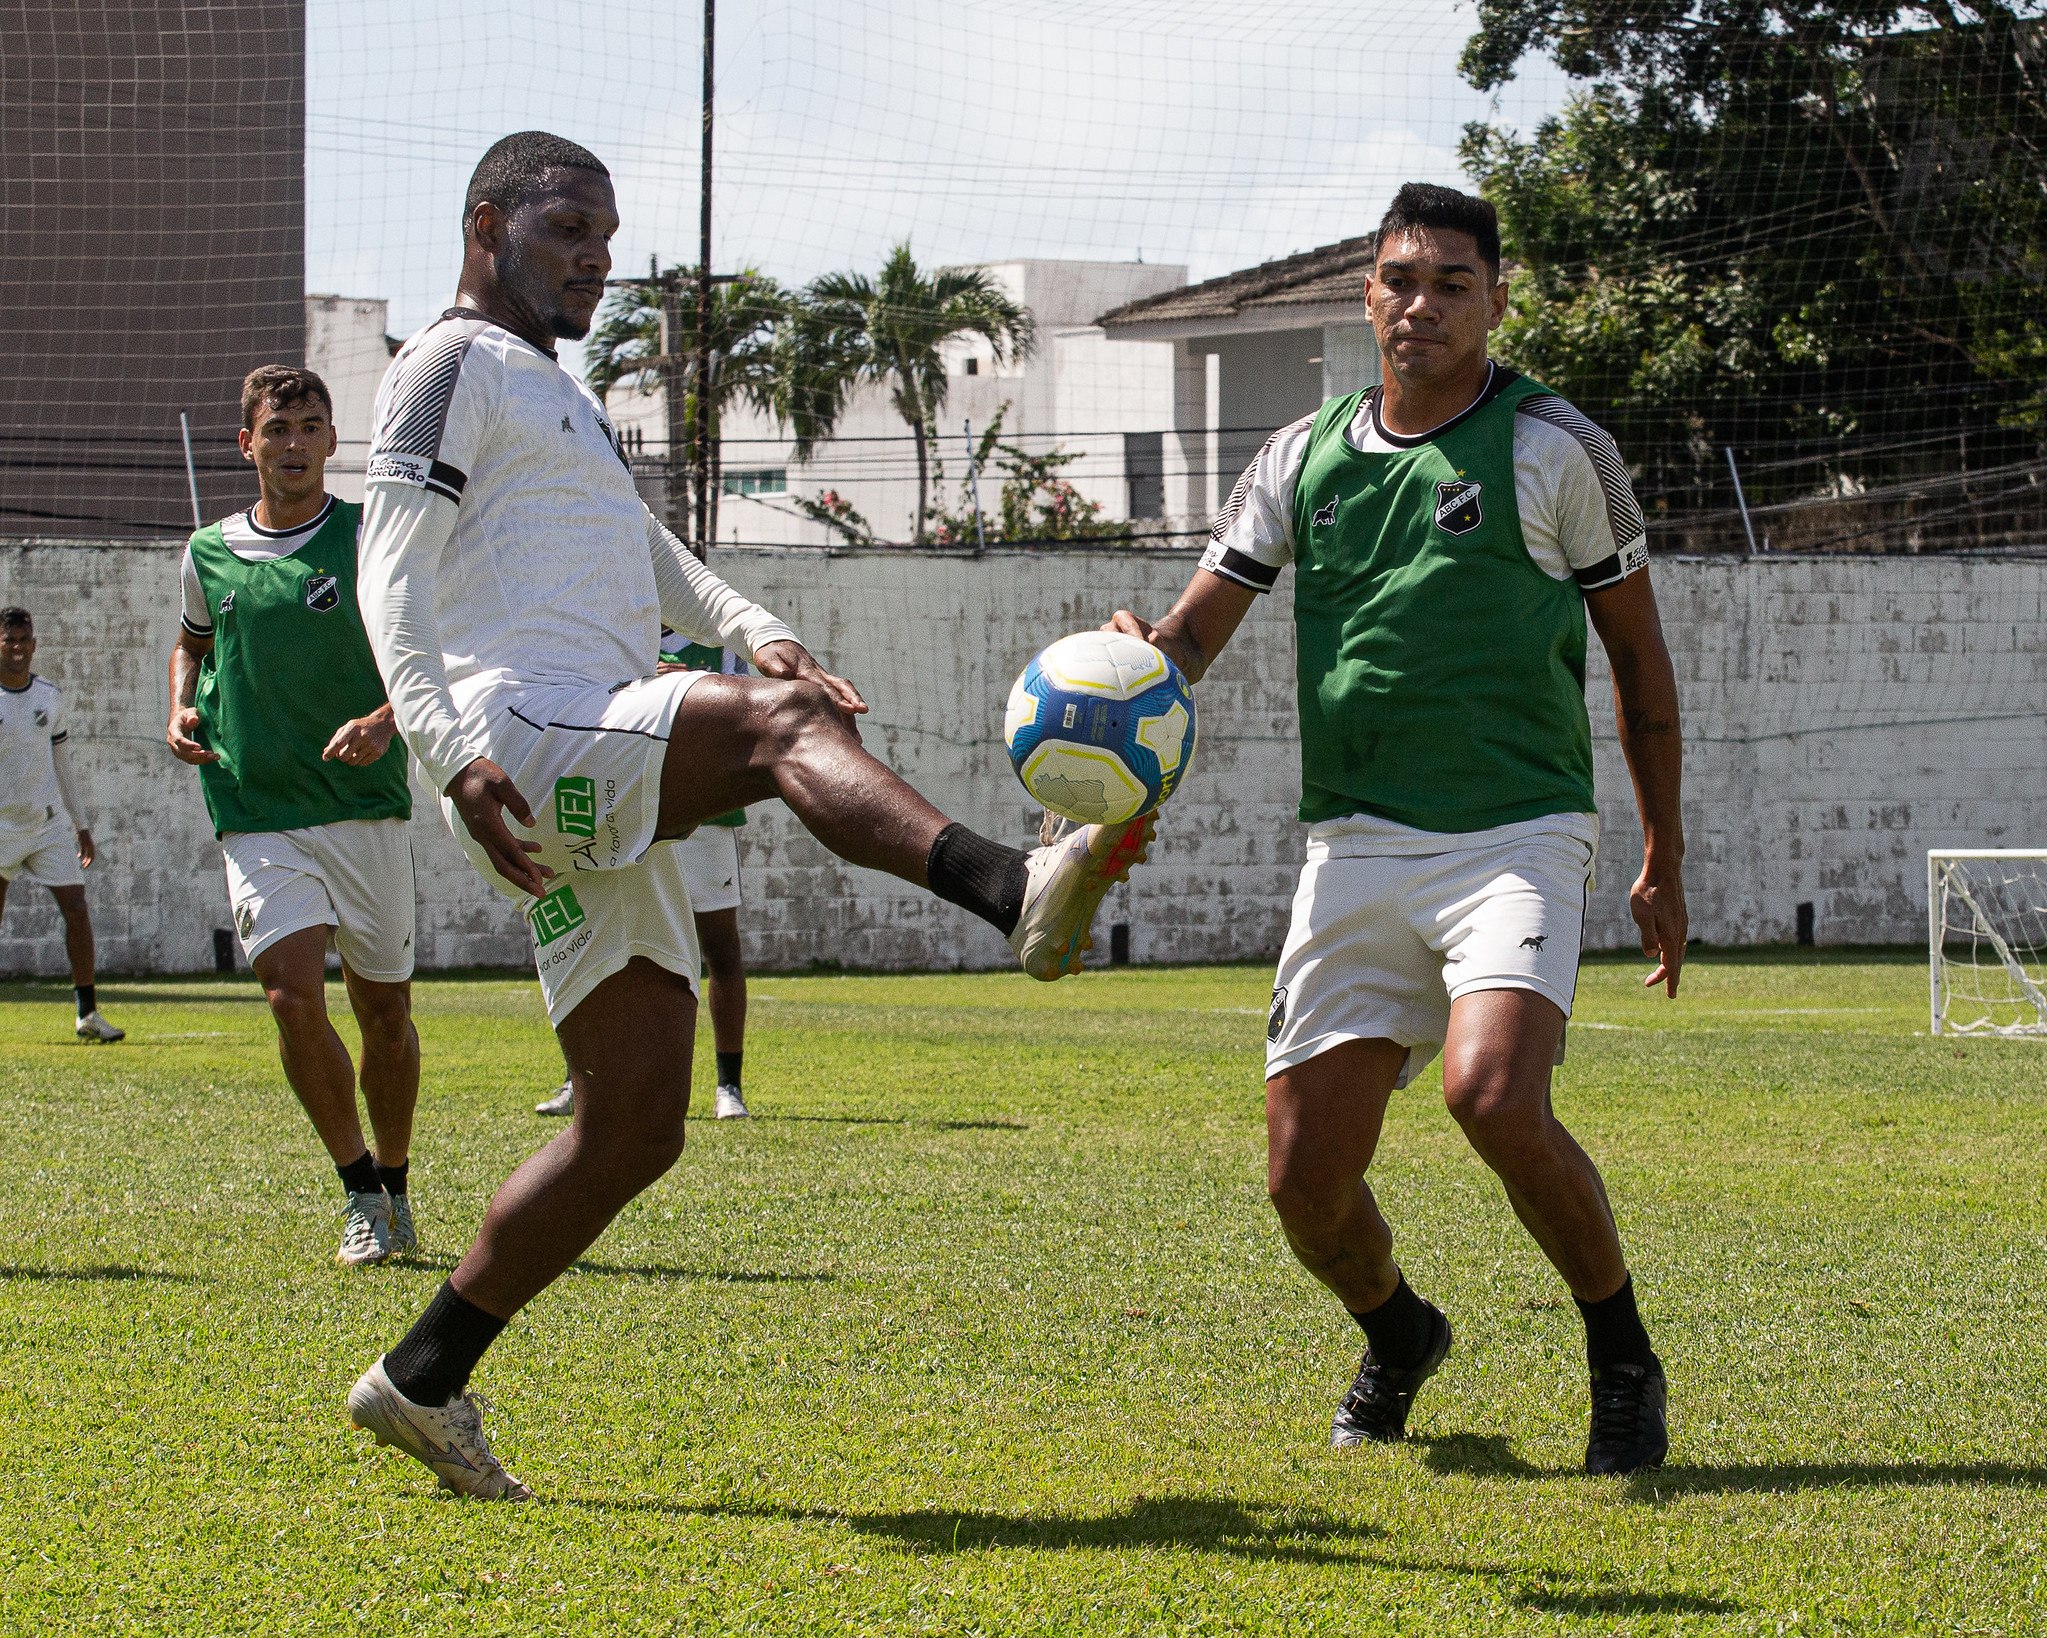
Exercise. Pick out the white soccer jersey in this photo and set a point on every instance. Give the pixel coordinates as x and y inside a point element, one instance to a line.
<point>31,725</point>
<point>250,542</point>
<point>1579,516</point>
<point>543,568</point>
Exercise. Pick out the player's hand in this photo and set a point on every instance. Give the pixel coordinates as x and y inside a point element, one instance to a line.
<point>184,724</point>
<point>791,662</point>
<point>662,668</point>
<point>1135,625</point>
<point>1657,903</point>
<point>86,851</point>
<point>361,741</point>
<point>482,792</point>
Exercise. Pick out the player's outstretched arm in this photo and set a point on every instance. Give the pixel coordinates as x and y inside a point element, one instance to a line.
<point>1194,631</point>
<point>186,653</point>
<point>1646,707</point>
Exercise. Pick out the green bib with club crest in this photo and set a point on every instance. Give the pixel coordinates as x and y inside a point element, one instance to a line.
<point>290,664</point>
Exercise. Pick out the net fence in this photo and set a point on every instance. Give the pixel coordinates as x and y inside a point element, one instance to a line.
<point>1987,942</point>
<point>1792,259</point>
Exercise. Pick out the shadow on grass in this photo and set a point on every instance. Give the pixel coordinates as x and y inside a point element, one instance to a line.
<point>112,1272</point>
<point>981,1125</point>
<point>1668,1483</point>
<point>1479,1455</point>
<point>1260,1531</point>
<point>843,1120</point>
<point>713,1276</point>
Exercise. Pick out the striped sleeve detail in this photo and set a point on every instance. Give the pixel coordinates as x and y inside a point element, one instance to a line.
<point>1623,512</point>
<point>1245,571</point>
<point>413,417</point>
<point>1233,508</point>
<point>1612,569</point>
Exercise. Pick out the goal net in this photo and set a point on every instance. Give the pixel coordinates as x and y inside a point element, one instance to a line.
<point>1986,931</point>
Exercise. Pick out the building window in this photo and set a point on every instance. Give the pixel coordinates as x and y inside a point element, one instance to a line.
<point>973,366</point>
<point>1144,469</point>
<point>767,480</point>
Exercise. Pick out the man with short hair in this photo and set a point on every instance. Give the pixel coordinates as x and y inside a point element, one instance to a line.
<point>1450,531</point>
<point>43,834</point>
<point>514,587</point>
<point>275,698</point>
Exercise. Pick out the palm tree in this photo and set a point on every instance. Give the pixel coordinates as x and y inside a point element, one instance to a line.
<point>851,329</point>
<point>746,315</point>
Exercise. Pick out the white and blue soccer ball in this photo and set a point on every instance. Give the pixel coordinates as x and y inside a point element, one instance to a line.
<point>1100,727</point>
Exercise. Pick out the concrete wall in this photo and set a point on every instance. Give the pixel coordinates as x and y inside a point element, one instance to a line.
<point>1842,715</point>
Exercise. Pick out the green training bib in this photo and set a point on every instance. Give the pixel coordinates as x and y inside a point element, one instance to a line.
<point>290,664</point>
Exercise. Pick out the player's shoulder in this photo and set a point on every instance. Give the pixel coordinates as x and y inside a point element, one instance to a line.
<point>40,687</point>
<point>1546,417</point>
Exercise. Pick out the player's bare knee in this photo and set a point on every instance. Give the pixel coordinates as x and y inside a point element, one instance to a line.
<point>383,1013</point>
<point>800,711</point>
<point>1498,1117</point>
<point>300,1013</point>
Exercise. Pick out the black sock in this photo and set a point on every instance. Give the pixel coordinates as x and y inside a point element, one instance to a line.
<point>433,1363</point>
<point>359,1176</point>
<point>728,1069</point>
<point>393,1177</point>
<point>1398,1329</point>
<point>979,875</point>
<point>87,1001</point>
<point>1614,1334</point>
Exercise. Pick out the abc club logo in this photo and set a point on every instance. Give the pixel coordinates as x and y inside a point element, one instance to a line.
<point>1457,508</point>
<point>323,592</point>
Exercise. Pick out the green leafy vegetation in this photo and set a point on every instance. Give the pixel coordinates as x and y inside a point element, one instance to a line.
<point>985,1327</point>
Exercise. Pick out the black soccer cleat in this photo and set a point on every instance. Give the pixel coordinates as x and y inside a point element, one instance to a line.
<point>1629,1430</point>
<point>1378,1402</point>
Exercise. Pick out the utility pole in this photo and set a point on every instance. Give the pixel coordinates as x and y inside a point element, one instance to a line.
<point>672,388</point>
<point>702,462</point>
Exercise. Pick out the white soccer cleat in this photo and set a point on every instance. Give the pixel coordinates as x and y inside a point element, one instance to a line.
<point>1067,881</point>
<point>92,1027</point>
<point>731,1106</point>
<point>448,1438</point>
<point>365,1230</point>
<point>561,1101</point>
<point>404,1235</point>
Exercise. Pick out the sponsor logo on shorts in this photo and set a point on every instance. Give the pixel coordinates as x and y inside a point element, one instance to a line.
<point>1536,943</point>
<point>323,592</point>
<point>1326,516</point>
<point>555,915</point>
<point>575,806</point>
<point>1457,509</point>
<point>1277,1020</point>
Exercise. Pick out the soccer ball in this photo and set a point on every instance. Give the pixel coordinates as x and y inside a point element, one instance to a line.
<point>1100,727</point>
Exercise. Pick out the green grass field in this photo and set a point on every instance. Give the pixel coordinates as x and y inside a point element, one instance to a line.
<point>985,1327</point>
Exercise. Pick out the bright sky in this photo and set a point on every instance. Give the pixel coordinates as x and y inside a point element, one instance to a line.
<point>1180,130</point>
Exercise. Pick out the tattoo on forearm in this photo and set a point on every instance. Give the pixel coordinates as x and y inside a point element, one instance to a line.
<point>1643,723</point>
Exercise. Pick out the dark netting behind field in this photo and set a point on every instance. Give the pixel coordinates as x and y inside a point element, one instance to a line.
<point>1812,238</point>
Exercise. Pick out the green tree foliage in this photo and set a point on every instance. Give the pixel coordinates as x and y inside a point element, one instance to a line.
<point>748,315</point>
<point>1034,505</point>
<point>889,329</point>
<point>1816,232</point>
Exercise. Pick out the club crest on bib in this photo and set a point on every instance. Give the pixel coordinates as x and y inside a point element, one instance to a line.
<point>1457,508</point>
<point>323,592</point>
<point>1275,1021</point>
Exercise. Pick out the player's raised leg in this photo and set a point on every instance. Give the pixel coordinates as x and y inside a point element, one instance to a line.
<point>1322,1121</point>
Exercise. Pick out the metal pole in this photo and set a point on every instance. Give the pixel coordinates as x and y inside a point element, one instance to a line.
<point>703,425</point>
<point>191,474</point>
<point>974,487</point>
<point>1740,499</point>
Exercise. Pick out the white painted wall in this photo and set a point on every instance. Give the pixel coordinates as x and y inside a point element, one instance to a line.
<point>1842,716</point>
<point>347,348</point>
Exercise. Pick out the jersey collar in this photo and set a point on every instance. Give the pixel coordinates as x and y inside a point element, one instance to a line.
<point>255,528</point>
<point>474,317</point>
<point>1497,380</point>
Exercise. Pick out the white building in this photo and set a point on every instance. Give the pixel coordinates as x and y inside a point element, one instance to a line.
<point>347,348</point>
<point>1108,402</point>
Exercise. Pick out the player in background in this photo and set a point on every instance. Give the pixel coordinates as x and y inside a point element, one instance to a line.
<point>1450,531</point>
<point>710,874</point>
<point>275,698</point>
<point>43,834</point>
<point>514,587</point>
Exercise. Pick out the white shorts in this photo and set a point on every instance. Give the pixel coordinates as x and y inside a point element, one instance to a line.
<point>588,761</point>
<point>354,876</point>
<point>710,867</point>
<point>1391,925</point>
<point>47,857</point>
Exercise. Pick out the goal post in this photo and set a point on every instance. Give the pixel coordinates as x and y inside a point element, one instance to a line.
<point>1986,940</point>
